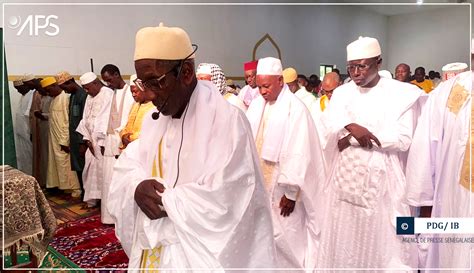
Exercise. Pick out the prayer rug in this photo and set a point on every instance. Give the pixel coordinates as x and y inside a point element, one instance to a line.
<point>54,260</point>
<point>89,244</point>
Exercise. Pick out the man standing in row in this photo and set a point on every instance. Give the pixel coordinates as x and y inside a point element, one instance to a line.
<point>402,72</point>
<point>372,122</point>
<point>290,77</point>
<point>140,108</point>
<point>250,91</point>
<point>188,193</point>
<point>440,165</point>
<point>93,128</point>
<point>291,160</point>
<point>77,101</point>
<point>120,109</point>
<point>60,174</point>
<point>330,82</point>
<point>420,80</point>
<point>39,127</point>
<point>24,148</point>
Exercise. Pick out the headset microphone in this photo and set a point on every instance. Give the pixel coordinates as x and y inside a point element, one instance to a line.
<point>156,115</point>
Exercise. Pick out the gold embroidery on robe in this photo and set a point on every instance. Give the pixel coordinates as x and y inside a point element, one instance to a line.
<point>151,257</point>
<point>465,179</point>
<point>456,98</point>
<point>267,166</point>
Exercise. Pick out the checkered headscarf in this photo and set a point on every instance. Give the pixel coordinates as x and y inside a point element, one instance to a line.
<point>217,77</point>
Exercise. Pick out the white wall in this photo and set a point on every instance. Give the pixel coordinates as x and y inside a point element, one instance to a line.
<point>430,38</point>
<point>226,35</point>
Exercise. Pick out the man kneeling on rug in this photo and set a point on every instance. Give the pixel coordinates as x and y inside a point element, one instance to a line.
<point>204,205</point>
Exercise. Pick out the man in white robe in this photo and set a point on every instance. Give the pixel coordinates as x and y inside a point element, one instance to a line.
<point>371,122</point>
<point>59,173</point>
<point>438,166</point>
<point>23,144</point>
<point>120,109</point>
<point>330,82</point>
<point>292,164</point>
<point>188,193</point>
<point>93,128</point>
<point>290,77</point>
<point>249,91</point>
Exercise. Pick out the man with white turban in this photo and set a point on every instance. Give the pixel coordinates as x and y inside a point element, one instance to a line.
<point>188,193</point>
<point>292,163</point>
<point>438,169</point>
<point>93,128</point>
<point>371,122</point>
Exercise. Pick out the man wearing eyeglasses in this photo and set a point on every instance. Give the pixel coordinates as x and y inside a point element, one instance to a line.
<point>188,193</point>
<point>93,128</point>
<point>371,122</point>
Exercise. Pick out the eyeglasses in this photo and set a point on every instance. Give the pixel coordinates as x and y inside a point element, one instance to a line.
<point>159,82</point>
<point>154,82</point>
<point>362,67</point>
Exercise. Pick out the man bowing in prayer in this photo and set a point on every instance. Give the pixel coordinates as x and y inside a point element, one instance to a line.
<point>59,174</point>
<point>77,101</point>
<point>291,160</point>
<point>93,128</point>
<point>371,123</point>
<point>188,193</point>
<point>24,147</point>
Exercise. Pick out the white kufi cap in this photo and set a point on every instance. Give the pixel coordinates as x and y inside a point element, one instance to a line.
<point>363,48</point>
<point>87,77</point>
<point>204,68</point>
<point>132,79</point>
<point>162,43</point>
<point>269,66</point>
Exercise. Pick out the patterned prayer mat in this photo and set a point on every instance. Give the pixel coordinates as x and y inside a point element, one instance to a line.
<point>89,244</point>
<point>54,260</point>
<point>68,209</point>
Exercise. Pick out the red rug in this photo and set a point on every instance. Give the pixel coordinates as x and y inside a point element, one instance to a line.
<point>90,244</point>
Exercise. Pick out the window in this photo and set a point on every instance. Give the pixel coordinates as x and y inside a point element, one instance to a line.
<point>325,68</point>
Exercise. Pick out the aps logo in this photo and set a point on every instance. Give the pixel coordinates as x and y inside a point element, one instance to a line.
<point>35,25</point>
